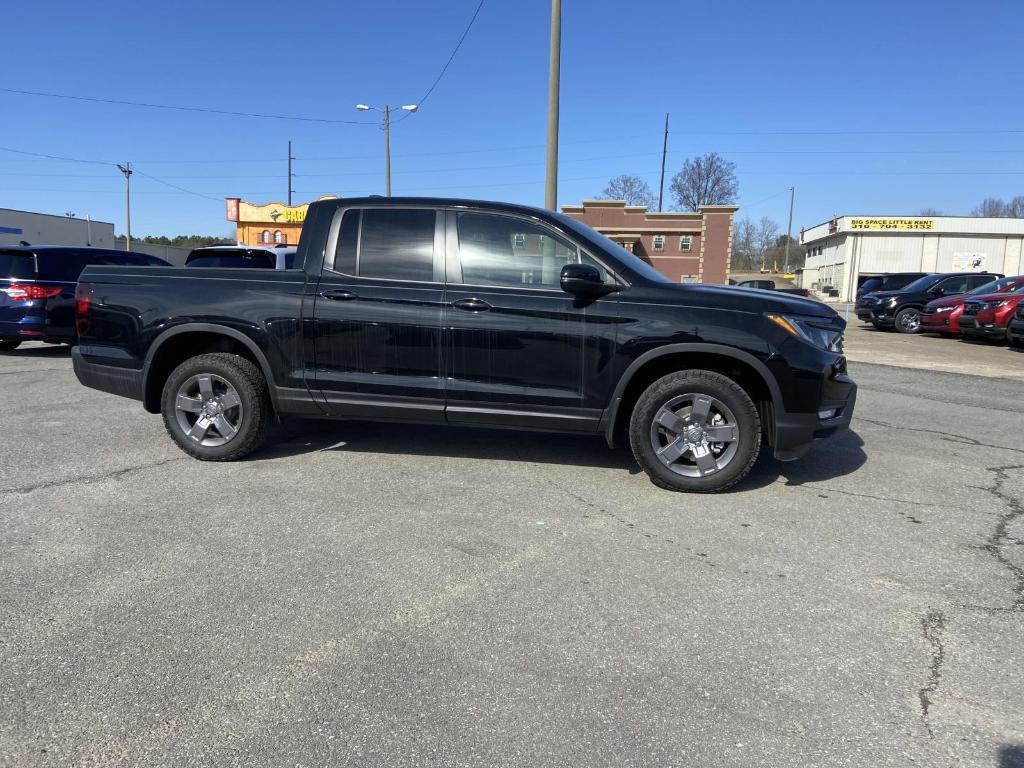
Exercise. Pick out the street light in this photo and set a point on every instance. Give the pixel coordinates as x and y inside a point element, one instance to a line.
<point>387,136</point>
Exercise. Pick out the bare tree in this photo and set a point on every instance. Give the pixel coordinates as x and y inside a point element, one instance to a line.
<point>766,232</point>
<point>930,212</point>
<point>632,189</point>
<point>707,180</point>
<point>991,206</point>
<point>743,245</point>
<point>1015,208</point>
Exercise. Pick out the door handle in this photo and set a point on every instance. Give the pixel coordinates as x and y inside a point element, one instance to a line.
<point>471,305</point>
<point>339,295</point>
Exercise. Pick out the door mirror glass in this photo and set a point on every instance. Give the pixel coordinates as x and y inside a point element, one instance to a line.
<point>583,280</point>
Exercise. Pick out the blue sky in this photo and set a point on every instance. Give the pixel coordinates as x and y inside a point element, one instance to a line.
<point>793,93</point>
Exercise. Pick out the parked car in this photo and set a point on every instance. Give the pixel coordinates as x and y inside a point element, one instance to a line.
<point>988,317</point>
<point>891,281</point>
<point>471,313</point>
<point>241,257</point>
<point>943,315</point>
<point>1015,328</point>
<point>769,285</point>
<point>37,289</point>
<point>901,309</point>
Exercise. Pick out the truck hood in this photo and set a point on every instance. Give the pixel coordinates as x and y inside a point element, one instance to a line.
<point>743,299</point>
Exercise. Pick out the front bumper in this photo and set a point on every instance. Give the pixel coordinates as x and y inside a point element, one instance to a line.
<point>971,328</point>
<point>1015,330</point>
<point>938,322</point>
<point>886,317</point>
<point>796,432</point>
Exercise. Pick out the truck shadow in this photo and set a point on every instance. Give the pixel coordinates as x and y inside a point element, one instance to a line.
<point>827,459</point>
<point>44,351</point>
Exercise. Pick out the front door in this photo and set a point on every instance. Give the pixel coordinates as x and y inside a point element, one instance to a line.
<point>519,350</point>
<point>377,315</point>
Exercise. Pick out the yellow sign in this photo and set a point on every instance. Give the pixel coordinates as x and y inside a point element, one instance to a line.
<point>905,224</point>
<point>272,212</point>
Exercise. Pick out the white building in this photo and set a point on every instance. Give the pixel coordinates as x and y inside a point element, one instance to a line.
<point>845,251</point>
<point>46,229</point>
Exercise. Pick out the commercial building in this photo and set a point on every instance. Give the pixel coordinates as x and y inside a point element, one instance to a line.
<point>270,223</point>
<point>686,247</point>
<point>48,229</point>
<point>843,252</point>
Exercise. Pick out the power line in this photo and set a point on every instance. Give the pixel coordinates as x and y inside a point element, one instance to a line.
<point>179,108</point>
<point>175,186</point>
<point>444,69</point>
<point>54,157</point>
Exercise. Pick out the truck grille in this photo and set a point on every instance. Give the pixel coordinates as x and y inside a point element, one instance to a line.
<point>971,308</point>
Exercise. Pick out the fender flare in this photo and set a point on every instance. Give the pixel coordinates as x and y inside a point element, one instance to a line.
<point>737,354</point>
<point>223,330</point>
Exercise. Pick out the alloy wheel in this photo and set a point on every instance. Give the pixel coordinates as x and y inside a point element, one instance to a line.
<point>910,320</point>
<point>208,410</point>
<point>695,435</point>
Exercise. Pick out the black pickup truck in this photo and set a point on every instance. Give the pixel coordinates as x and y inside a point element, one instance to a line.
<point>469,313</point>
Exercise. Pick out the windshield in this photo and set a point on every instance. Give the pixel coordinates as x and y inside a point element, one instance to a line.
<point>922,283</point>
<point>892,282</point>
<point>997,286</point>
<point>17,264</point>
<point>630,260</point>
<point>231,257</point>
<point>871,284</point>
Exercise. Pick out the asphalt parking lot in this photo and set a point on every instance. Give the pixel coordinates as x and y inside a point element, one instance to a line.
<point>360,594</point>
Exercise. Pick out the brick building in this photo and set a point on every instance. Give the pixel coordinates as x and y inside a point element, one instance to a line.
<point>686,247</point>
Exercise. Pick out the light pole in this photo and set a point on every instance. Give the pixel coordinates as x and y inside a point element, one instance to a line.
<point>386,111</point>
<point>789,229</point>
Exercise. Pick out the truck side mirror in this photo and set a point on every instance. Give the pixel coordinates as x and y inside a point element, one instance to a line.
<point>584,280</point>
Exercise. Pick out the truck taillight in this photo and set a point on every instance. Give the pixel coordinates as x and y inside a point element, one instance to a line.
<point>20,292</point>
<point>83,297</point>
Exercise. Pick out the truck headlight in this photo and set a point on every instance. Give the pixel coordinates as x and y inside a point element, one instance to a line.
<point>817,331</point>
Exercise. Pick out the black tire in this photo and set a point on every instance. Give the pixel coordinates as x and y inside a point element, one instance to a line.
<point>9,345</point>
<point>908,320</point>
<point>248,385</point>
<point>738,410</point>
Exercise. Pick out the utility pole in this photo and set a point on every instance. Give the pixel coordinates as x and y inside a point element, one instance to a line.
<point>290,158</point>
<point>126,169</point>
<point>789,229</point>
<point>551,174</point>
<point>387,150</point>
<point>664,152</point>
<point>88,229</point>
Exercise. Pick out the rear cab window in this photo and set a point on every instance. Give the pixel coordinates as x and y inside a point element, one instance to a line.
<point>239,258</point>
<point>17,265</point>
<point>387,244</point>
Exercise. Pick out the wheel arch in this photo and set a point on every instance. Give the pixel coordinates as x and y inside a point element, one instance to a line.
<point>177,344</point>
<point>745,369</point>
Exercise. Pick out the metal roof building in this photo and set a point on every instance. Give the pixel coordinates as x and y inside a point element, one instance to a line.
<point>845,251</point>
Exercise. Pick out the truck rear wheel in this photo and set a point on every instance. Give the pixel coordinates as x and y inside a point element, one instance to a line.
<point>695,431</point>
<point>216,407</point>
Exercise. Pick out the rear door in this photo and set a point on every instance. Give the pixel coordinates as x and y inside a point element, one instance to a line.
<point>377,314</point>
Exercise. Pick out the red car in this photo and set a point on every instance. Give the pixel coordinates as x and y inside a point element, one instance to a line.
<point>986,317</point>
<point>943,315</point>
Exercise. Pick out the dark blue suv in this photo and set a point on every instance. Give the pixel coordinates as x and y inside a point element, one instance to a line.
<point>37,289</point>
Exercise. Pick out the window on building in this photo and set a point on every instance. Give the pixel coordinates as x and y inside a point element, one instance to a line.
<point>659,242</point>
<point>685,243</point>
<point>519,240</point>
<point>265,236</point>
<point>278,236</point>
<point>397,244</point>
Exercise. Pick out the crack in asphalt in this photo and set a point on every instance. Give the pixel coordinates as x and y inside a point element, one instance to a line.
<point>961,439</point>
<point>932,625</point>
<point>1000,536</point>
<point>87,479</point>
<point>893,499</point>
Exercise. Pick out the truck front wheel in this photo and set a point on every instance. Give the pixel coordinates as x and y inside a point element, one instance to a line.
<point>216,407</point>
<point>695,431</point>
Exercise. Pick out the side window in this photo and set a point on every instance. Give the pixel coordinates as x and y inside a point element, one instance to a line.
<point>397,244</point>
<point>348,241</point>
<point>953,285</point>
<point>977,281</point>
<point>501,250</point>
<point>62,265</point>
